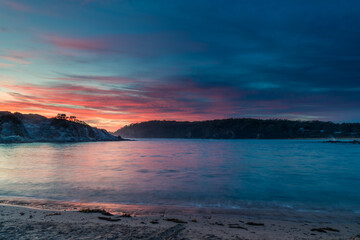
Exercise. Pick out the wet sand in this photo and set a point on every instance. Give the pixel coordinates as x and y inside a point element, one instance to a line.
<point>24,222</point>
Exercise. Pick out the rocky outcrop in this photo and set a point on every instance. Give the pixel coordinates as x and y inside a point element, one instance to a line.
<point>17,127</point>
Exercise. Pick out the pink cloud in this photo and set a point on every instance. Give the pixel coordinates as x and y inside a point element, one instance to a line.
<point>20,57</point>
<point>76,43</point>
<point>6,65</point>
<point>17,6</point>
<point>14,59</point>
<point>138,45</point>
<point>96,78</point>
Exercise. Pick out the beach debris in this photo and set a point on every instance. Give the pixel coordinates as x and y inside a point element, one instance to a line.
<point>175,220</point>
<point>324,230</point>
<point>109,219</point>
<point>52,214</point>
<point>235,225</point>
<point>102,211</point>
<point>154,222</point>
<point>22,213</point>
<point>125,215</point>
<point>194,220</point>
<point>219,223</point>
<point>255,224</point>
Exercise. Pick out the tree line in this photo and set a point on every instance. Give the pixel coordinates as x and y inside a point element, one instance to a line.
<point>241,128</point>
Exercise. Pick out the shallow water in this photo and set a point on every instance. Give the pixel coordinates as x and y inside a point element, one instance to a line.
<point>305,175</point>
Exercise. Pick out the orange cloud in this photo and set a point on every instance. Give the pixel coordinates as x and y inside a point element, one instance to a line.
<point>113,108</point>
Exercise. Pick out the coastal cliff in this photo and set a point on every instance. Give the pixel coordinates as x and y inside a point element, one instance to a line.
<point>243,128</point>
<point>17,127</point>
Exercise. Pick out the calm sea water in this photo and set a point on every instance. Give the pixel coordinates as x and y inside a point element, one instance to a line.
<point>259,174</point>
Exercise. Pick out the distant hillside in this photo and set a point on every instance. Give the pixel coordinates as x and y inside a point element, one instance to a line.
<point>17,127</point>
<point>240,128</point>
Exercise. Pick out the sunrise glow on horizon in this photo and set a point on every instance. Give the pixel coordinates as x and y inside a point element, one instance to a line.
<point>112,63</point>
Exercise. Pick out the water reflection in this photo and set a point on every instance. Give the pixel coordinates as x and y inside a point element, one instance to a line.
<point>238,173</point>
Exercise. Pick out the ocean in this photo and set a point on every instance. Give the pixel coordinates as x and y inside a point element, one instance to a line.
<point>299,175</point>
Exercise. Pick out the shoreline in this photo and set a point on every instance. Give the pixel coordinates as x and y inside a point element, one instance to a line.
<point>278,213</point>
<point>53,221</point>
<point>321,140</point>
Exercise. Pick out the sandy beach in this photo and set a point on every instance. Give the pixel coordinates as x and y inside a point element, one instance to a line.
<point>25,222</point>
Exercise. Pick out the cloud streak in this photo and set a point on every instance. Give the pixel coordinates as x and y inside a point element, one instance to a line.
<point>134,45</point>
<point>116,62</point>
<point>146,103</point>
<point>6,65</point>
<point>17,6</point>
<point>174,101</point>
<point>77,43</point>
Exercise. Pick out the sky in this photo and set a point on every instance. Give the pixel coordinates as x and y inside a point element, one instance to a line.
<point>112,63</point>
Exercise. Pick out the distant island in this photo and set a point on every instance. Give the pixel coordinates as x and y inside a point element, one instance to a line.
<point>242,128</point>
<point>18,128</point>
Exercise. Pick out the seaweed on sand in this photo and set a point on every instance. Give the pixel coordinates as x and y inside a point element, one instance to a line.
<point>53,214</point>
<point>125,215</point>
<point>324,230</point>
<point>109,219</point>
<point>235,225</point>
<point>255,224</point>
<point>175,220</point>
<point>102,211</point>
